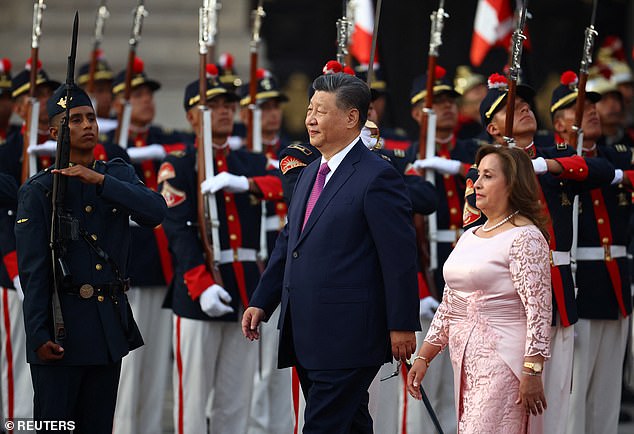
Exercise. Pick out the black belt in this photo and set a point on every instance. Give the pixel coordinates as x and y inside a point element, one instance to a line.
<point>88,290</point>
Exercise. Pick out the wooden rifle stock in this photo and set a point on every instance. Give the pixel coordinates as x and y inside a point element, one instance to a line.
<point>253,88</point>
<point>579,109</point>
<point>31,120</point>
<point>429,102</point>
<point>510,109</point>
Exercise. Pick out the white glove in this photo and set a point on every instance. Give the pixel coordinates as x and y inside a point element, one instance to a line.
<point>618,176</point>
<point>272,163</point>
<point>428,306</point>
<point>149,152</point>
<point>47,148</point>
<point>214,301</point>
<point>235,142</point>
<point>369,139</point>
<point>226,181</point>
<point>18,287</point>
<point>439,164</point>
<point>539,165</point>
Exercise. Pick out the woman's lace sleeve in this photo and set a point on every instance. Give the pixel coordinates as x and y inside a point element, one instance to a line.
<point>530,271</point>
<point>438,333</point>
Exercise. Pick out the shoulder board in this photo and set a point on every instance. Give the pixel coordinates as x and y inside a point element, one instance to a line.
<point>562,146</point>
<point>180,153</point>
<point>620,147</point>
<point>303,149</point>
<point>399,153</point>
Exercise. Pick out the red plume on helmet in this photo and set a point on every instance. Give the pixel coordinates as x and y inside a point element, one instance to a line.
<point>5,65</point>
<point>332,67</point>
<point>28,64</point>
<point>497,81</point>
<point>569,78</point>
<point>211,70</point>
<point>137,66</point>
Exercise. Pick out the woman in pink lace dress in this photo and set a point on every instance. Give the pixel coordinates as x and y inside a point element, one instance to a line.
<point>496,309</point>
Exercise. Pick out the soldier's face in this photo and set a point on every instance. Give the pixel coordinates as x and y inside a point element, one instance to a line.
<point>329,127</point>
<point>142,102</point>
<point>103,97</point>
<point>591,125</point>
<point>610,109</point>
<point>82,124</point>
<point>222,113</point>
<point>524,122</point>
<point>271,117</point>
<point>446,111</point>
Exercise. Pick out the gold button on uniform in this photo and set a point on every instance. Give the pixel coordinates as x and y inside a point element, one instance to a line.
<point>453,210</point>
<point>233,237</point>
<point>100,298</point>
<point>147,174</point>
<point>600,221</point>
<point>98,267</point>
<point>596,202</point>
<point>450,193</point>
<point>230,217</point>
<point>94,237</point>
<point>227,199</point>
<point>605,240</point>
<point>88,208</point>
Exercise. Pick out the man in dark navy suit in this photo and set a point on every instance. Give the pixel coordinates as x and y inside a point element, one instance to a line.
<point>344,267</point>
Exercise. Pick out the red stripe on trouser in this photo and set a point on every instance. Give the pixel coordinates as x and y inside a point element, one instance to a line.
<point>238,270</point>
<point>295,391</point>
<point>615,277</point>
<point>404,421</point>
<point>164,255</point>
<point>9,351</point>
<point>558,291</point>
<point>179,367</point>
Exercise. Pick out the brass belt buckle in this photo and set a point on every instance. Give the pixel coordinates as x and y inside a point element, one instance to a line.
<point>86,291</point>
<point>607,255</point>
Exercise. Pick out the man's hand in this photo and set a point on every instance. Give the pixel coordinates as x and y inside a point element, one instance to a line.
<point>225,181</point>
<point>251,319</point>
<point>50,352</point>
<point>214,301</point>
<point>85,175</point>
<point>403,344</point>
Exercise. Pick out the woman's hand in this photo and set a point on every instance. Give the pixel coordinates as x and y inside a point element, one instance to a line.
<point>531,394</point>
<point>415,377</point>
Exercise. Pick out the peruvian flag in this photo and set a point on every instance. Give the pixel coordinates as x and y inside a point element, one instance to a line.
<point>493,26</point>
<point>361,39</point>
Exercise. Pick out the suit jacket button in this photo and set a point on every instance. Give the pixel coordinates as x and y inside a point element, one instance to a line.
<point>295,255</point>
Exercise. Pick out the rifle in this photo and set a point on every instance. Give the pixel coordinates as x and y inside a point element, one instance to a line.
<point>102,15</point>
<point>254,132</point>
<point>576,139</point>
<point>123,124</point>
<point>213,9</point>
<point>427,239</point>
<point>208,223</point>
<point>514,72</point>
<point>345,25</point>
<point>29,161</point>
<point>63,226</point>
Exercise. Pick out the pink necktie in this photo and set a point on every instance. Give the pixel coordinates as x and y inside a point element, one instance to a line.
<point>318,186</point>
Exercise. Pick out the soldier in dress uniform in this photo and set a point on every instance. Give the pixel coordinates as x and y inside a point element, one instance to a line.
<point>472,89</point>
<point>561,176</point>
<point>271,406</point>
<point>16,380</point>
<point>211,358</point>
<point>144,375</point>
<point>611,109</point>
<point>76,380</point>
<point>102,92</point>
<point>604,297</point>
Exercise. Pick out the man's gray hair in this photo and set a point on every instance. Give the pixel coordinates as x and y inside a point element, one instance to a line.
<point>350,92</point>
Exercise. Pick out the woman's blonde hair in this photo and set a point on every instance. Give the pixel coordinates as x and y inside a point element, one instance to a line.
<point>522,183</point>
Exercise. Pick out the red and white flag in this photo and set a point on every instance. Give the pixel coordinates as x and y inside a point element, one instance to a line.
<point>493,26</point>
<point>361,39</point>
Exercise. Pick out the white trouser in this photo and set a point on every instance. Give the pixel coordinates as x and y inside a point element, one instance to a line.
<point>15,376</point>
<point>384,400</point>
<point>213,368</point>
<point>145,371</point>
<point>438,385</point>
<point>272,404</point>
<point>558,379</point>
<point>596,376</point>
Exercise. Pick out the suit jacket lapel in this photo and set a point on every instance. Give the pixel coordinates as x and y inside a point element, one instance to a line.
<point>300,197</point>
<point>338,179</point>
